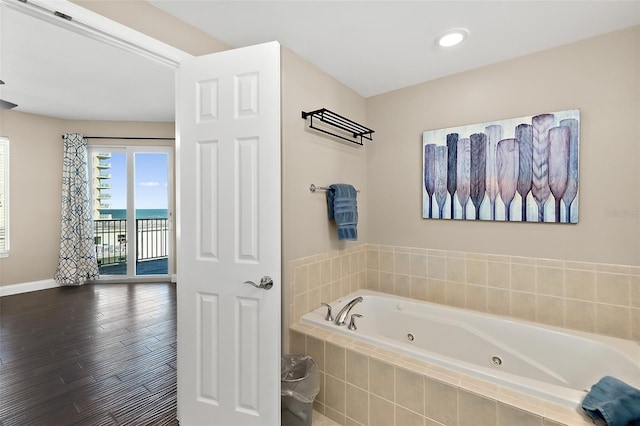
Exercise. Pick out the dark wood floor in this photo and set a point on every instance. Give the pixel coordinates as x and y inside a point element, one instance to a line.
<point>102,354</point>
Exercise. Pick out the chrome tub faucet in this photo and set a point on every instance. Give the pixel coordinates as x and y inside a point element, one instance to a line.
<point>341,318</point>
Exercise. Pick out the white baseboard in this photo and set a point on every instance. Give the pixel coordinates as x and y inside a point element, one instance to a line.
<point>8,290</point>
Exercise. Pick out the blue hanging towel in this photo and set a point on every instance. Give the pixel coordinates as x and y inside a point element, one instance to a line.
<point>343,208</point>
<point>613,401</point>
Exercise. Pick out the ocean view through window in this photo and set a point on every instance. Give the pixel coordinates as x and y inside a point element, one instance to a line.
<point>132,218</point>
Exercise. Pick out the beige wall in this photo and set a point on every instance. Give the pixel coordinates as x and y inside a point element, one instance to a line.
<point>36,182</point>
<point>311,157</point>
<point>600,76</point>
<point>35,195</point>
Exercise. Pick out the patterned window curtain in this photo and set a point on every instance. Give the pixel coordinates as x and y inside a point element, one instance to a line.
<point>77,263</point>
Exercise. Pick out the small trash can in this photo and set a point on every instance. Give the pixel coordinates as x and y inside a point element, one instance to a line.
<point>299,387</point>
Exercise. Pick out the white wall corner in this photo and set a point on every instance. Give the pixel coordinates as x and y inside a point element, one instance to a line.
<point>174,278</point>
<point>8,290</point>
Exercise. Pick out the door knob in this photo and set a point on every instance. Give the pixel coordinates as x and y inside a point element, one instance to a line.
<point>265,282</point>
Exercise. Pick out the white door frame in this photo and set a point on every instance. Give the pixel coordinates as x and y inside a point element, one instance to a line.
<point>130,151</point>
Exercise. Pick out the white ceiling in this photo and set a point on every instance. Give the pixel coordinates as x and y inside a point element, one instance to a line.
<point>378,46</point>
<point>371,46</point>
<point>50,70</point>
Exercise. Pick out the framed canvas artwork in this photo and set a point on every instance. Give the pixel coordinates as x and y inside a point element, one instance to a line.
<point>521,169</point>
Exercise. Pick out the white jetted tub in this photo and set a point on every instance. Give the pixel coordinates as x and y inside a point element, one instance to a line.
<point>550,363</point>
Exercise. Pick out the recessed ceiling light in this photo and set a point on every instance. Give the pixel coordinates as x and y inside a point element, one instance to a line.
<point>452,37</point>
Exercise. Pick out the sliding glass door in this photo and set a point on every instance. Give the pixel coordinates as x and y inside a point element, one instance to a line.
<point>132,209</point>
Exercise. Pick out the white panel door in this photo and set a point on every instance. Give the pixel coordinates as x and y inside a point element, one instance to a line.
<point>228,164</point>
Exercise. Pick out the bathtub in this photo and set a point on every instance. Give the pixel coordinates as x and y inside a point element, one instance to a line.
<point>549,363</point>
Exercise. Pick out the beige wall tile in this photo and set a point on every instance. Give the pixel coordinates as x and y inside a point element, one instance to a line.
<point>362,260</point>
<point>321,393</point>
<point>476,272</point>
<point>498,301</point>
<point>314,298</point>
<point>419,265</point>
<point>523,278</point>
<point>476,297</point>
<point>381,379</point>
<point>373,280</point>
<point>386,261</point>
<point>580,315</point>
<point>357,372</point>
<point>613,321</point>
<point>325,294</point>
<point>325,272</point>
<point>373,259</point>
<point>456,269</point>
<point>345,260</point>
<point>435,291</point>
<point>351,422</point>
<point>436,267</point>
<point>499,274</point>
<point>523,305</point>
<point>335,394</point>
<point>297,342</point>
<point>580,284</point>
<point>357,404</point>
<point>406,417</point>
<point>614,269</point>
<point>409,388</point>
<point>402,285</point>
<point>550,310</point>
<point>301,306</point>
<point>334,360</point>
<point>475,410</point>
<point>381,411</point>
<point>613,289</point>
<point>402,263</point>
<point>550,281</point>
<point>454,294</point>
<point>550,263</point>
<point>335,416</point>
<point>336,269</point>
<point>314,276</point>
<point>441,402</point>
<point>386,282</point>
<point>315,349</point>
<point>300,279</point>
<point>510,416</point>
<point>353,260</point>
<point>418,288</point>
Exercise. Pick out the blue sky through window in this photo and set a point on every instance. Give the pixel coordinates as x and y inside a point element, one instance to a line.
<point>150,177</point>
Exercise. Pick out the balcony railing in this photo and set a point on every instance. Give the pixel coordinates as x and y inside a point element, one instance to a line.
<point>112,239</point>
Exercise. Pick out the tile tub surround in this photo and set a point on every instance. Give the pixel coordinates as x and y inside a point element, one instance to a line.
<point>323,278</point>
<point>591,297</point>
<point>361,384</point>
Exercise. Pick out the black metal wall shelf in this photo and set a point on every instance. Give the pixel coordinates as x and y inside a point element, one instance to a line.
<point>352,131</point>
